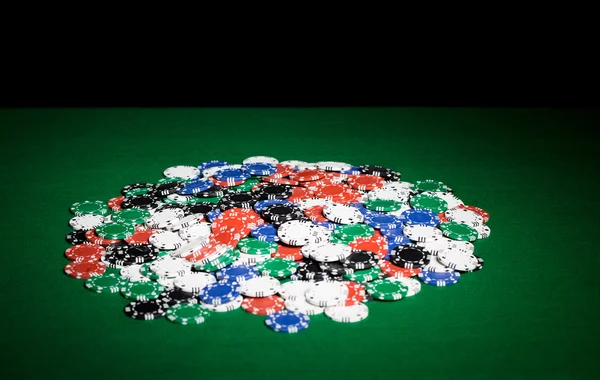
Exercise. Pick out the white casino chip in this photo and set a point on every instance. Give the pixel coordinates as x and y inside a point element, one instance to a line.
<point>261,286</point>
<point>348,314</point>
<point>260,159</point>
<point>342,214</point>
<point>166,240</point>
<point>86,222</point>
<point>182,171</point>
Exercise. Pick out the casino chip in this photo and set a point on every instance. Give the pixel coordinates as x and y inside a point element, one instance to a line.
<point>282,240</point>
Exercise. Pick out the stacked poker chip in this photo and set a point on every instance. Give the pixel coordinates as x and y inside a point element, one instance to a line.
<point>280,240</point>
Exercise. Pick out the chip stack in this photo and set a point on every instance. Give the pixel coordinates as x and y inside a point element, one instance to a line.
<point>280,240</point>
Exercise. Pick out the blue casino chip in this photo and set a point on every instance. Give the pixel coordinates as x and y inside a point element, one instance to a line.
<point>266,232</point>
<point>439,278</point>
<point>231,175</point>
<point>329,225</point>
<point>237,273</point>
<point>423,217</point>
<point>288,321</point>
<point>220,292</point>
<point>395,236</point>
<point>212,215</point>
<point>212,164</point>
<point>260,168</point>
<point>196,186</point>
<point>261,205</point>
<point>382,221</point>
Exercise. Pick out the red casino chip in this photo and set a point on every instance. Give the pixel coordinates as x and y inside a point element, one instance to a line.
<point>356,294</point>
<point>140,236</point>
<point>442,217</point>
<point>281,181</point>
<point>282,171</point>
<point>366,182</point>
<point>230,239</point>
<point>288,252</point>
<point>85,252</point>
<point>263,305</point>
<point>315,185</point>
<point>95,239</point>
<point>226,183</point>
<point>85,269</point>
<point>395,271</point>
<point>376,244</point>
<point>333,190</point>
<point>206,253</point>
<point>307,175</point>
<point>115,203</point>
<point>484,214</point>
<point>315,213</point>
<point>300,193</point>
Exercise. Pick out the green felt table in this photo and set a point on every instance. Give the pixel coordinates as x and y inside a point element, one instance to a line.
<point>532,312</point>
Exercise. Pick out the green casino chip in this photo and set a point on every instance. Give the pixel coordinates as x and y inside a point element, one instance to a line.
<point>254,246</point>
<point>90,207</point>
<point>459,231</point>
<point>105,283</point>
<point>387,289</point>
<point>187,314</point>
<point>430,185</point>
<point>350,232</point>
<point>428,202</point>
<point>277,267</point>
<point>133,216</point>
<point>115,230</point>
<point>386,205</point>
<point>142,290</point>
<point>364,275</point>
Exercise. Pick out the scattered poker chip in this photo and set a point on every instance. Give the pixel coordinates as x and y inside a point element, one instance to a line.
<point>142,290</point>
<point>89,207</point>
<point>220,292</point>
<point>263,305</point>
<point>353,231</point>
<point>85,252</point>
<point>106,283</point>
<point>86,222</point>
<point>464,216</point>
<point>459,231</point>
<point>140,201</point>
<point>439,278</point>
<point>359,260</point>
<point>283,240</point>
<point>419,217</point>
<point>224,307</point>
<point>237,273</point>
<point>187,314</point>
<point>383,205</point>
<point>115,230</point>
<point>348,314</point>
<point>194,282</point>
<point>288,322</point>
<point>429,185</point>
<point>261,286</point>
<point>85,269</point>
<point>145,310</point>
<point>342,214</point>
<point>409,256</point>
<point>387,289</point>
<point>326,293</point>
<point>422,233</point>
<point>277,267</point>
<point>182,171</point>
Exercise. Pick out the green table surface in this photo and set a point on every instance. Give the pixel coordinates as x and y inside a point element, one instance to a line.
<point>532,312</point>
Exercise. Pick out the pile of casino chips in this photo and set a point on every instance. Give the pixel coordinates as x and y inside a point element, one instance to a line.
<point>282,240</point>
